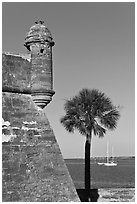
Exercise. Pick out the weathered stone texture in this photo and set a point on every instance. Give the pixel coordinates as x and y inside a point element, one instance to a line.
<point>15,74</point>
<point>33,167</point>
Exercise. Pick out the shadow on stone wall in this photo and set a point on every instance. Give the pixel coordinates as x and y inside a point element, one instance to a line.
<point>82,193</point>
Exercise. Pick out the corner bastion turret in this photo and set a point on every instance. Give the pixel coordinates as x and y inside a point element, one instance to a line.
<point>39,43</point>
<point>32,165</point>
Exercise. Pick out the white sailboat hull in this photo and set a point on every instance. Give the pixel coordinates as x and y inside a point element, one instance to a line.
<point>99,163</point>
<point>110,164</point>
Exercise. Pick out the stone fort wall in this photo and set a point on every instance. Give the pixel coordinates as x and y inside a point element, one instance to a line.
<point>33,167</point>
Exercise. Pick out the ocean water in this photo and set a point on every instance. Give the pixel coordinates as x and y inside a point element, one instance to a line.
<point>120,176</point>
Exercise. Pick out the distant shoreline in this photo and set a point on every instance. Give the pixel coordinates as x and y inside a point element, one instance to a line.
<point>99,157</point>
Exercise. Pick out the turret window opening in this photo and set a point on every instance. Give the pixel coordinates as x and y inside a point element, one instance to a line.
<point>41,50</point>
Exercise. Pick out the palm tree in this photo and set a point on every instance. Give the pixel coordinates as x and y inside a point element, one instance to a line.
<point>90,112</point>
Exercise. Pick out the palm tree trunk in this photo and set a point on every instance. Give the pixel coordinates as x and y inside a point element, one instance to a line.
<point>87,164</point>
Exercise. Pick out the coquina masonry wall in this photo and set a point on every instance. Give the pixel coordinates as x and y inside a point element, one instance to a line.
<point>33,167</point>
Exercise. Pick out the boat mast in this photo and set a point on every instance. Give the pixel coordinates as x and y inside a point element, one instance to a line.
<point>107,152</point>
<point>112,154</point>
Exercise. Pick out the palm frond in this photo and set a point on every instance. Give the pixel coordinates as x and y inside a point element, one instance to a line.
<point>109,120</point>
<point>68,123</point>
<point>99,130</point>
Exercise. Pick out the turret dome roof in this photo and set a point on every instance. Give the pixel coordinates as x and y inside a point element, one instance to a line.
<point>38,33</point>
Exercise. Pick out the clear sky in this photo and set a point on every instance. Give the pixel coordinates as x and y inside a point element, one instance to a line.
<point>94,48</point>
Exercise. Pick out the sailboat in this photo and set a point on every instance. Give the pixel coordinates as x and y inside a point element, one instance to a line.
<point>109,163</point>
<point>100,163</point>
